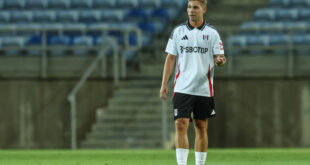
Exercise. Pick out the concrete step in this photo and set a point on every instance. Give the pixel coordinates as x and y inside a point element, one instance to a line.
<point>134,92</point>
<point>133,106</point>
<point>124,137</point>
<point>128,120</point>
<point>127,126</point>
<point>124,133</point>
<point>131,112</point>
<point>130,143</point>
<point>135,101</point>
<point>140,84</point>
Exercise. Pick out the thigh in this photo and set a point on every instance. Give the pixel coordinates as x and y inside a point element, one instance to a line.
<point>203,108</point>
<point>183,105</point>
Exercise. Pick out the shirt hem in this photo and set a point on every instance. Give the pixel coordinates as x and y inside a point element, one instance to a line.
<point>195,94</point>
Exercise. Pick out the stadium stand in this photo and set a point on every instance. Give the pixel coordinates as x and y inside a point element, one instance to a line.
<point>282,23</point>
<point>151,16</point>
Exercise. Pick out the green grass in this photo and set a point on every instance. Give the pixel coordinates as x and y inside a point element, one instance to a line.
<point>153,157</point>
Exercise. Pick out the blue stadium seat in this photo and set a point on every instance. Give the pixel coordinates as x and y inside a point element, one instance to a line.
<point>126,4</point>
<point>44,16</point>
<point>36,4</point>
<point>73,30</point>
<point>172,3</point>
<point>1,4</point>
<point>159,14</point>
<point>4,17</point>
<point>13,41</point>
<point>112,15</point>
<point>21,16</point>
<point>251,25</point>
<point>14,4</point>
<point>58,4</point>
<point>104,3</point>
<point>149,3</point>
<point>280,40</point>
<point>7,26</point>
<point>136,16</point>
<point>58,40</point>
<point>86,41</point>
<point>304,15</point>
<point>34,40</point>
<point>258,40</point>
<point>279,3</point>
<point>148,30</point>
<point>81,4</point>
<point>273,27</point>
<point>238,42</point>
<point>89,16</point>
<point>28,29</point>
<point>300,3</point>
<point>286,15</point>
<point>264,14</point>
<point>173,12</point>
<point>302,39</point>
<point>66,16</point>
<point>296,27</point>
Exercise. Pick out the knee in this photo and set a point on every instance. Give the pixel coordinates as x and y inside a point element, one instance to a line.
<point>181,124</point>
<point>201,126</point>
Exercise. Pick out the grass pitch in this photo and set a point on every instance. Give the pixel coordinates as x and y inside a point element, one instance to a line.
<point>154,157</point>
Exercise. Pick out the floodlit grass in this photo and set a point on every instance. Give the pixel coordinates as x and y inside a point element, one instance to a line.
<point>154,157</point>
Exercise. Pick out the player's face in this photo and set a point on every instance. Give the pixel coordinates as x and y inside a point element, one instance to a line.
<point>195,10</point>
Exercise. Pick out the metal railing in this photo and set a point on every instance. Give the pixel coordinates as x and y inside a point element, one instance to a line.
<point>114,45</point>
<point>110,43</point>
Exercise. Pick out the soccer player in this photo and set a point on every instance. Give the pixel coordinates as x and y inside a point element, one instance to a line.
<point>195,48</point>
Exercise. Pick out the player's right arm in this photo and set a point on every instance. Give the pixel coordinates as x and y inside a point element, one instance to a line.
<point>168,68</point>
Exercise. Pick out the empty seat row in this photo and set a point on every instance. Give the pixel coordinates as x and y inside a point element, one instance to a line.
<point>273,14</point>
<point>289,3</point>
<point>263,26</point>
<point>86,16</point>
<point>86,43</point>
<point>265,41</point>
<point>82,4</point>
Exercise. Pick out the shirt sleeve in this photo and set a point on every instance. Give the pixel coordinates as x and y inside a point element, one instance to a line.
<point>171,47</point>
<point>218,47</point>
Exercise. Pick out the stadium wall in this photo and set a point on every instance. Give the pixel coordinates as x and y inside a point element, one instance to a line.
<point>260,113</point>
<point>252,112</point>
<point>36,114</point>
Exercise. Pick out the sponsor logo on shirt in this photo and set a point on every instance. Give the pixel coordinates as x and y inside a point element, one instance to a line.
<point>196,49</point>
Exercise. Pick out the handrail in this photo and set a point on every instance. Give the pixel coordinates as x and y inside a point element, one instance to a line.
<point>78,86</point>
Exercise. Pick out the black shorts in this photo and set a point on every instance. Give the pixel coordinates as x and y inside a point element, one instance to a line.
<point>184,105</point>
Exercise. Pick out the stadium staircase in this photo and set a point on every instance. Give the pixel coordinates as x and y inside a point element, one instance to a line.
<point>131,120</point>
<point>133,116</point>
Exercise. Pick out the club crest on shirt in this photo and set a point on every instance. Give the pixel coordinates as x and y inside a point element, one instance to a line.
<point>205,37</point>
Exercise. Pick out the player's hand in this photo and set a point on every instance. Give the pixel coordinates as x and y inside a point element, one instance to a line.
<point>164,92</point>
<point>220,60</point>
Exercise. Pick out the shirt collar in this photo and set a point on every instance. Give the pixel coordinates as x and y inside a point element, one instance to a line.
<point>201,27</point>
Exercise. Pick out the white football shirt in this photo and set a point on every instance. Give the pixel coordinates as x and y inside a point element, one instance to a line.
<point>194,48</point>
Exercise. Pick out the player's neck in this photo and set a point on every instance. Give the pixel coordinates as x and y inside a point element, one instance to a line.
<point>196,24</point>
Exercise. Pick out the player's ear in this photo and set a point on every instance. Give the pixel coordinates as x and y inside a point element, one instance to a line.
<point>205,9</point>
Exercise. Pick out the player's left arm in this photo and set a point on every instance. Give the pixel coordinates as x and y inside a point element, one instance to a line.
<point>220,60</point>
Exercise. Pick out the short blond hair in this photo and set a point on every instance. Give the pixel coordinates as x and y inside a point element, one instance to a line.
<point>201,1</point>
